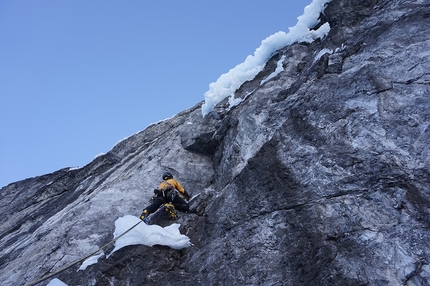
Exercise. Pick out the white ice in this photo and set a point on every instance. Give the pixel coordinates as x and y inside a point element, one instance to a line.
<point>56,282</point>
<point>148,234</point>
<point>92,260</point>
<point>142,234</point>
<point>229,82</point>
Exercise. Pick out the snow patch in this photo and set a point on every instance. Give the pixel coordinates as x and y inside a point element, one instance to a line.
<point>92,260</point>
<point>279,68</point>
<point>328,51</point>
<point>148,234</point>
<point>74,168</point>
<point>56,282</point>
<point>229,82</point>
<point>142,234</point>
<point>321,53</point>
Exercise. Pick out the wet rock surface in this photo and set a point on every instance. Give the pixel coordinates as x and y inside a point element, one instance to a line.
<point>319,177</point>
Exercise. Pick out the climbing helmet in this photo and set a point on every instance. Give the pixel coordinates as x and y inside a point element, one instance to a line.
<point>167,175</point>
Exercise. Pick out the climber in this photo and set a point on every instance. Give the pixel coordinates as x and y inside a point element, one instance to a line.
<point>170,191</point>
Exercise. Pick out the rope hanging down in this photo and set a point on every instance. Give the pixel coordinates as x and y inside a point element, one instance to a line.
<point>81,259</point>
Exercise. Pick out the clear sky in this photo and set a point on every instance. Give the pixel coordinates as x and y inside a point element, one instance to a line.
<point>76,77</point>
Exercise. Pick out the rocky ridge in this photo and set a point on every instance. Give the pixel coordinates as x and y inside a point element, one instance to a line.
<point>319,177</point>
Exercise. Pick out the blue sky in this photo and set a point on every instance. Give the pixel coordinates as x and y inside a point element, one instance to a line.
<point>76,77</point>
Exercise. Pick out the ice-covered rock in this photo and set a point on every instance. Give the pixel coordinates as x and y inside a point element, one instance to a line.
<point>320,176</point>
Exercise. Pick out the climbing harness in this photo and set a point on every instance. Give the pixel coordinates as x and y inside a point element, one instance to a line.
<point>169,193</point>
<point>82,259</point>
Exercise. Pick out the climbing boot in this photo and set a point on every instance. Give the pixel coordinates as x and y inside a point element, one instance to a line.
<point>171,211</point>
<point>144,215</point>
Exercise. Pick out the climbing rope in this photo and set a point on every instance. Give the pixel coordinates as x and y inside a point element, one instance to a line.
<point>81,259</point>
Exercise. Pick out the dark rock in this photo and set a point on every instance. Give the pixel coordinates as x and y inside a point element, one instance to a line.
<point>319,177</point>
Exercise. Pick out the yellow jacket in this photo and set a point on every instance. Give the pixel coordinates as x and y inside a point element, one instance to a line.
<point>172,183</point>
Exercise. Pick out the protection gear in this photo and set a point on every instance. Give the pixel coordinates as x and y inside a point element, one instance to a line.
<point>167,175</point>
<point>171,195</point>
<point>144,215</point>
<point>171,211</point>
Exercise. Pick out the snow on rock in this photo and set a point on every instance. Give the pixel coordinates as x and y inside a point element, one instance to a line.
<point>148,234</point>
<point>142,234</point>
<point>279,68</point>
<point>362,176</point>
<point>56,282</point>
<point>92,260</point>
<point>229,82</point>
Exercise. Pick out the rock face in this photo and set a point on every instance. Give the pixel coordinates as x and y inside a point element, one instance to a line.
<point>319,177</point>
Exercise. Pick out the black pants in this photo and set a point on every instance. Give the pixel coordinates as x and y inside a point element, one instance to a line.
<point>178,202</point>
